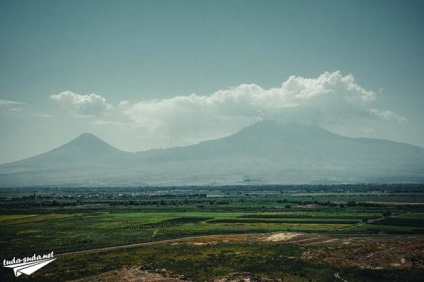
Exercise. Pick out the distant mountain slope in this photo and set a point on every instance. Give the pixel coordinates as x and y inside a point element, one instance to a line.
<point>263,153</point>
<point>85,148</point>
<point>86,155</point>
<point>269,152</point>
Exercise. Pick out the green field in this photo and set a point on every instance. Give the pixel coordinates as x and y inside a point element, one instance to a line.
<point>41,220</point>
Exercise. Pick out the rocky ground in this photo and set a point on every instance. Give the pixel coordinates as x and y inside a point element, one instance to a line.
<point>378,252</point>
<point>136,273</point>
<point>140,274</point>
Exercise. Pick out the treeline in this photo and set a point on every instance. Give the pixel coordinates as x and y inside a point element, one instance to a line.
<point>397,221</point>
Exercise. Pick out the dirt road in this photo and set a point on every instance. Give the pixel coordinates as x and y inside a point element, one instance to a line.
<point>170,241</point>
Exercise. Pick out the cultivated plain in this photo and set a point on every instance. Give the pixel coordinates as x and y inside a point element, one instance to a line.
<point>293,233</point>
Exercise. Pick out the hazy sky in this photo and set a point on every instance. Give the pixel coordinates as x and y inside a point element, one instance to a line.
<point>151,74</point>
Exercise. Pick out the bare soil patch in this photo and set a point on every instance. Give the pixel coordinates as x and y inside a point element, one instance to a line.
<point>282,236</point>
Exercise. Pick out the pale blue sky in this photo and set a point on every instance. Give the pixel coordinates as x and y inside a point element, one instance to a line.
<point>146,50</point>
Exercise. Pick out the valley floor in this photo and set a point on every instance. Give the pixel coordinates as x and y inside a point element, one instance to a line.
<point>262,233</point>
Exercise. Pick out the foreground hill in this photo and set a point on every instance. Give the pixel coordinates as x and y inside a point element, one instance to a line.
<point>263,153</point>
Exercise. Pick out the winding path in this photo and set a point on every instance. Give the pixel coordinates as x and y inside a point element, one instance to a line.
<point>136,245</point>
<point>337,275</point>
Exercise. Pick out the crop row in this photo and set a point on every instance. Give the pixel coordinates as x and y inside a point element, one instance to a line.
<point>312,221</point>
<point>307,216</point>
<point>164,223</point>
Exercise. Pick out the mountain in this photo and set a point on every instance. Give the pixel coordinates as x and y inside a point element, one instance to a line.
<point>70,164</point>
<point>263,153</point>
<point>85,149</point>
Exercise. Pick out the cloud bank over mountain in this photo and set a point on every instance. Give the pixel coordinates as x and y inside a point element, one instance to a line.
<point>331,98</point>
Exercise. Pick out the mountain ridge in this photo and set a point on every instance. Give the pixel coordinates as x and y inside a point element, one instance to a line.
<point>263,153</point>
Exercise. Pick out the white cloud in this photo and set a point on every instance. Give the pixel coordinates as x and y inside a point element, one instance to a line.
<point>329,99</point>
<point>11,106</point>
<point>388,115</point>
<point>123,104</point>
<point>107,122</point>
<point>15,109</point>
<point>82,105</point>
<point>9,103</point>
<point>42,115</point>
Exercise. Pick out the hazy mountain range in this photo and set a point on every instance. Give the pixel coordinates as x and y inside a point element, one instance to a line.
<point>263,153</point>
